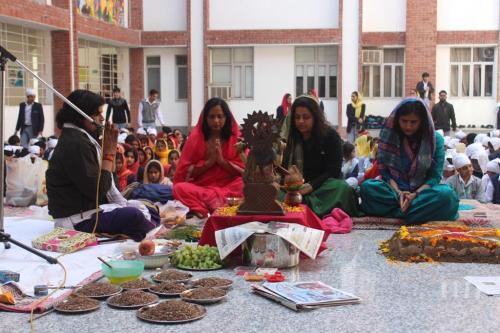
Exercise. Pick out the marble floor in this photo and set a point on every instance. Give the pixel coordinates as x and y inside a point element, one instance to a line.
<point>396,297</point>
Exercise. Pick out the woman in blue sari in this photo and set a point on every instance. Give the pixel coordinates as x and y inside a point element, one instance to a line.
<point>410,160</point>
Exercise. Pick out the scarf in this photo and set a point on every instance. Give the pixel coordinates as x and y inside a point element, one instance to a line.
<point>285,106</point>
<point>113,195</point>
<point>116,102</point>
<point>363,146</point>
<point>421,154</point>
<point>294,154</point>
<point>163,180</point>
<point>194,154</point>
<point>357,108</point>
<point>162,156</point>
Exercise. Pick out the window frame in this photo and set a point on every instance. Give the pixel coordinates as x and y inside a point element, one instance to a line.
<point>99,81</point>
<point>244,67</point>
<point>147,67</point>
<point>393,66</point>
<point>316,65</point>
<point>31,43</point>
<point>177,67</point>
<point>472,64</point>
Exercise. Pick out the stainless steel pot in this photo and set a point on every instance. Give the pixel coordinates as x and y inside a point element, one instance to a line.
<point>268,250</point>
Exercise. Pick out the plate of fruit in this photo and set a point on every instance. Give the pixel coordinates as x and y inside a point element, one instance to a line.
<point>201,258</point>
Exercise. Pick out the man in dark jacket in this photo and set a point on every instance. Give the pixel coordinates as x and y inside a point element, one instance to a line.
<point>443,113</point>
<point>30,119</point>
<point>425,89</point>
<point>119,106</point>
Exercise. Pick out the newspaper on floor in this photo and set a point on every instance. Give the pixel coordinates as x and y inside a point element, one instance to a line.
<point>307,240</point>
<point>305,295</point>
<point>490,285</point>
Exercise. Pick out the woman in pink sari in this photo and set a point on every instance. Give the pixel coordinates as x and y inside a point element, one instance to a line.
<point>210,168</point>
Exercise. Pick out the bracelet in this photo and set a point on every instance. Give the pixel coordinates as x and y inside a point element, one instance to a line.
<point>109,157</point>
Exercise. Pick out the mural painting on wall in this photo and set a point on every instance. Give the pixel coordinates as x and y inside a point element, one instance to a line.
<point>110,11</point>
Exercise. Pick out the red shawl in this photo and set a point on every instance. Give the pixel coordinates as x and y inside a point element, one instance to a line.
<point>123,174</point>
<point>285,105</point>
<point>195,151</point>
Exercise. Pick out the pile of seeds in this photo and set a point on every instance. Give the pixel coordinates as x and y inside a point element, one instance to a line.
<point>137,284</point>
<point>132,298</point>
<point>172,275</point>
<point>77,304</point>
<point>168,288</point>
<point>204,293</point>
<point>172,311</point>
<point>212,282</point>
<point>98,289</point>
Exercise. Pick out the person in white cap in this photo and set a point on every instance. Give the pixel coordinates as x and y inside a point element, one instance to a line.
<point>464,182</point>
<point>30,119</point>
<point>494,148</point>
<point>460,135</point>
<point>492,171</point>
<point>152,133</point>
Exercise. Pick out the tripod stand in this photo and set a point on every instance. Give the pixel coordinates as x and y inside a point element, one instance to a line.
<point>4,57</point>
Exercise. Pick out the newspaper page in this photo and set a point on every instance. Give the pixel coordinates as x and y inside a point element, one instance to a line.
<point>310,293</point>
<point>307,240</point>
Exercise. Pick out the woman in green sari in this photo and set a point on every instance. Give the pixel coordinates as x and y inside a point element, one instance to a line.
<point>315,148</point>
<point>410,160</point>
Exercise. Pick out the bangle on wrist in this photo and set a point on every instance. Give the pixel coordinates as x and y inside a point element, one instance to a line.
<point>109,157</point>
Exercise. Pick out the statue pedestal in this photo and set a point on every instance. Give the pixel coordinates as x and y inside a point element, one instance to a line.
<point>261,198</point>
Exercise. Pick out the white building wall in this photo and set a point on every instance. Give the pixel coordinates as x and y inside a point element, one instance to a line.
<point>174,111</point>
<point>164,15</point>
<point>275,14</point>
<point>350,49</point>
<point>383,15</point>
<point>197,61</point>
<point>123,57</point>
<point>472,110</point>
<point>378,106</point>
<point>467,15</point>
<point>10,120</point>
<point>274,76</point>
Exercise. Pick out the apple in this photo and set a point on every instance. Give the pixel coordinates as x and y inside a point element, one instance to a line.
<point>147,248</point>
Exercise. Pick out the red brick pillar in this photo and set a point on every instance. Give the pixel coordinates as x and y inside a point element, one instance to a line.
<point>61,64</point>
<point>136,66</point>
<point>136,81</point>
<point>136,14</point>
<point>421,41</point>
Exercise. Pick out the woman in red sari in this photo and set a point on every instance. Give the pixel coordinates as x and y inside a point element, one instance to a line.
<point>210,168</point>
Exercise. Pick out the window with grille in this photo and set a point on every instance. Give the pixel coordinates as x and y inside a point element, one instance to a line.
<point>232,72</point>
<point>471,71</point>
<point>97,67</point>
<point>382,72</point>
<point>316,68</point>
<point>30,46</point>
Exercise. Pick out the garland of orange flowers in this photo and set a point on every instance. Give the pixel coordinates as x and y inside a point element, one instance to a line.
<point>233,210</point>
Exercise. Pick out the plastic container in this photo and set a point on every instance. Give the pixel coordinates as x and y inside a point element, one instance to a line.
<point>123,270</point>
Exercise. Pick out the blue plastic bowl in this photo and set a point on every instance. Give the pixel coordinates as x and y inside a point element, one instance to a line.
<point>123,270</point>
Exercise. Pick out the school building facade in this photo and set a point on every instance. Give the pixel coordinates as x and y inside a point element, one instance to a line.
<point>253,52</point>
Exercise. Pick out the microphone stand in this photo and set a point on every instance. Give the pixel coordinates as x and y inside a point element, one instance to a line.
<point>4,57</point>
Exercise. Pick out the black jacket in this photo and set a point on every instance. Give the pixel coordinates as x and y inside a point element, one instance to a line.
<point>121,112</point>
<point>421,91</point>
<point>37,118</point>
<point>442,113</point>
<point>351,117</point>
<point>72,176</point>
